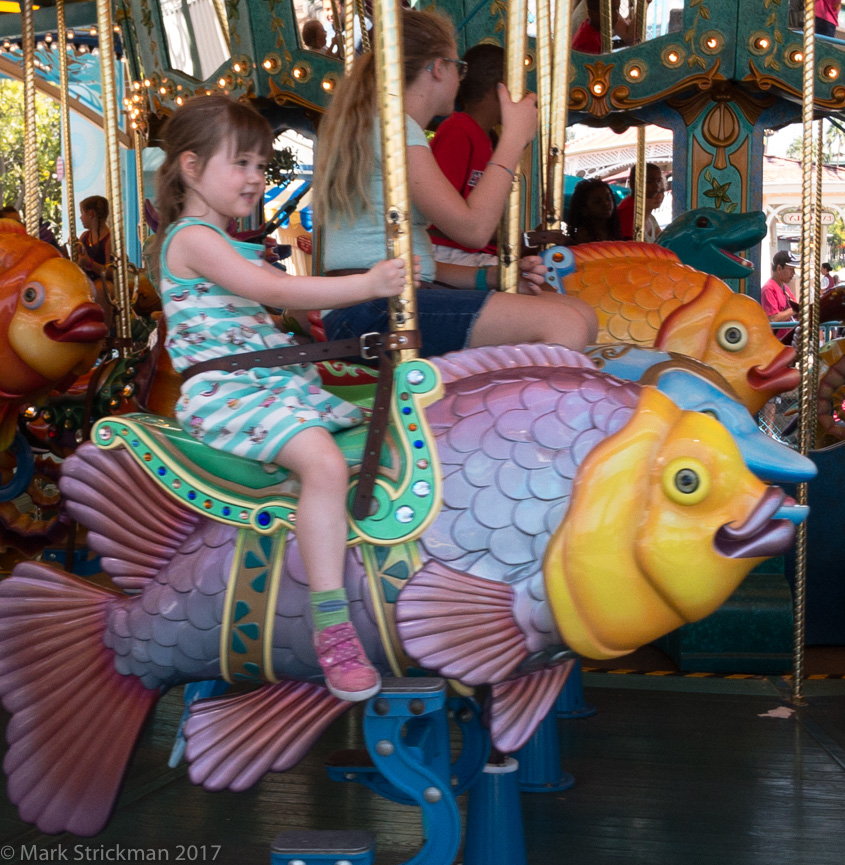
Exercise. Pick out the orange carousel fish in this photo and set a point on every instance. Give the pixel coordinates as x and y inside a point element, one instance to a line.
<point>642,294</point>
<point>51,329</point>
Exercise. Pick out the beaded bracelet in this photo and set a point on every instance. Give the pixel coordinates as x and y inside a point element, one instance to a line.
<point>499,164</point>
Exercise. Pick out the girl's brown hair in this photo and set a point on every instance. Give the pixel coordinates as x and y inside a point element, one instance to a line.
<point>99,205</point>
<point>201,126</point>
<point>345,143</point>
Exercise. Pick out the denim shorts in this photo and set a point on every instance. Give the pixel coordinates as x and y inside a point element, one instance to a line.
<point>446,318</point>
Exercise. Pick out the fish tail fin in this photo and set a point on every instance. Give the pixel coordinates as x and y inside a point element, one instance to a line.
<point>75,719</point>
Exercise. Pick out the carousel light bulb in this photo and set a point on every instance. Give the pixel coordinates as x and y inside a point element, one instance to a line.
<point>797,56</point>
<point>162,90</point>
<point>711,43</point>
<point>179,100</point>
<point>221,82</point>
<point>136,85</point>
<point>69,34</point>
<point>761,43</point>
<point>93,31</point>
<point>328,85</point>
<point>48,37</point>
<point>672,57</point>
<point>134,125</point>
<point>831,72</point>
<point>635,72</point>
<point>147,82</point>
<point>236,67</point>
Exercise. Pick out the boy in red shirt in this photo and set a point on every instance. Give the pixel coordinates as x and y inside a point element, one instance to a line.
<point>463,147</point>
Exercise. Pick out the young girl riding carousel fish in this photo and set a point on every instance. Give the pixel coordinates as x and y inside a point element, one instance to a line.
<point>214,290</point>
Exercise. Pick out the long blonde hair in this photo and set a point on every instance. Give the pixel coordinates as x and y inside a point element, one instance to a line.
<point>200,126</point>
<point>345,143</point>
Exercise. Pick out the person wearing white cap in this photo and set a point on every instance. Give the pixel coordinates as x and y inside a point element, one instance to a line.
<point>778,301</point>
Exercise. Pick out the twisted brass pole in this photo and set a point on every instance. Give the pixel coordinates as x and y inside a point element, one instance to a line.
<point>349,34</point>
<point>511,232</point>
<point>397,202</point>
<point>809,341</point>
<point>30,142</point>
<point>545,97</point>
<point>61,47</point>
<point>606,26</point>
<point>362,20</point>
<point>640,177</point>
<point>115,193</point>
<point>138,141</point>
<point>559,109</point>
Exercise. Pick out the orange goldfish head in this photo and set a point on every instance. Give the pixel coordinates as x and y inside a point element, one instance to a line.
<point>56,328</point>
<point>731,333</point>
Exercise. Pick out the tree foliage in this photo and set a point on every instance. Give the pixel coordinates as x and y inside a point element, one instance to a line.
<point>48,138</point>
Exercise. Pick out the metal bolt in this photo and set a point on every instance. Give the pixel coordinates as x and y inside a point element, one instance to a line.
<point>417,707</point>
<point>432,795</point>
<point>381,706</point>
<point>384,748</point>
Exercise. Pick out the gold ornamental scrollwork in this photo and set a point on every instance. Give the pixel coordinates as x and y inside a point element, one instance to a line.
<point>767,82</point>
<point>598,88</point>
<point>620,97</point>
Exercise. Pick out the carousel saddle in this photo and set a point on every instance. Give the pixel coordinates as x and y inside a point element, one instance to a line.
<point>249,494</point>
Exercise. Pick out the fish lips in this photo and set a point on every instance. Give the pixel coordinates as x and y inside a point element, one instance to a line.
<point>778,375</point>
<point>85,324</point>
<point>761,535</point>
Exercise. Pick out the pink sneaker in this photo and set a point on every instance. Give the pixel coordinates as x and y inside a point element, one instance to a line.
<point>349,674</point>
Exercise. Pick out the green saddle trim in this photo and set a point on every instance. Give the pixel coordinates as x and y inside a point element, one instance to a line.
<point>245,493</point>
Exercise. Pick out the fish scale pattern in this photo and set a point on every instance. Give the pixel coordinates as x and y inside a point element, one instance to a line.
<point>511,458</point>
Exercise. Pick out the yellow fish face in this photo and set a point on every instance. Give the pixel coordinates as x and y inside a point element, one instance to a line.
<point>731,333</point>
<point>641,550</point>
<point>57,329</point>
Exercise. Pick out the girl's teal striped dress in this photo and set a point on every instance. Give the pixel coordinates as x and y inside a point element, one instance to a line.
<point>251,413</point>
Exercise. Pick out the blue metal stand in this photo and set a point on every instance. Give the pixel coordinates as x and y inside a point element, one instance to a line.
<point>193,691</point>
<point>539,761</point>
<point>406,731</point>
<point>570,703</point>
<point>331,847</point>
<point>494,832</point>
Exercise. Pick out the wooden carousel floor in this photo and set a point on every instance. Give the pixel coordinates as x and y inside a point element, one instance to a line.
<point>675,770</point>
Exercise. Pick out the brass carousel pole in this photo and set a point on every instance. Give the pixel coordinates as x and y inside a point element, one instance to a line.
<point>639,192</point>
<point>349,34</point>
<point>510,235</point>
<point>362,20</point>
<point>559,109</point>
<point>545,92</point>
<point>336,23</point>
<point>397,203</point>
<point>809,341</point>
<point>30,142</point>
<point>115,195</point>
<point>61,47</point>
<point>139,144</point>
<point>606,26</point>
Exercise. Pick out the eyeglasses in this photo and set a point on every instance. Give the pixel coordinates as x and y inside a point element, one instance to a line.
<point>461,64</point>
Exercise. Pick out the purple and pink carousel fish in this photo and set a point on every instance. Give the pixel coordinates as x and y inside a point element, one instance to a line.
<point>581,513</point>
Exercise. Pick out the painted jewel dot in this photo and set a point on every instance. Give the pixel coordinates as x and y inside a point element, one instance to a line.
<point>243,515</point>
<point>421,488</point>
<point>192,495</point>
<point>415,377</point>
<point>105,434</point>
<point>162,471</point>
<point>405,514</point>
<point>147,457</point>
<point>177,484</point>
<point>207,504</point>
<point>422,464</point>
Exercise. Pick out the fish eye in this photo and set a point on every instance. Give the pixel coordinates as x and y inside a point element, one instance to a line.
<point>686,481</point>
<point>710,412</point>
<point>33,295</point>
<point>732,336</point>
<point>702,222</point>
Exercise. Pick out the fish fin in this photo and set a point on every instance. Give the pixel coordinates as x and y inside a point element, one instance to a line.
<point>461,364</point>
<point>627,250</point>
<point>137,539</point>
<point>518,706</point>
<point>459,625</point>
<point>234,741</point>
<point>75,719</point>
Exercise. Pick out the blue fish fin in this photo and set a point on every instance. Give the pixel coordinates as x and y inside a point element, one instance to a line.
<point>517,706</point>
<point>234,741</point>
<point>75,719</point>
<point>459,625</point>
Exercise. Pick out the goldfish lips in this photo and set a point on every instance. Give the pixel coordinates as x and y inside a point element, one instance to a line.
<point>744,263</point>
<point>777,377</point>
<point>762,534</point>
<point>85,324</point>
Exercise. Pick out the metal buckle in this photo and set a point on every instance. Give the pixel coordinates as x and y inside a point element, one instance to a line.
<point>366,349</point>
